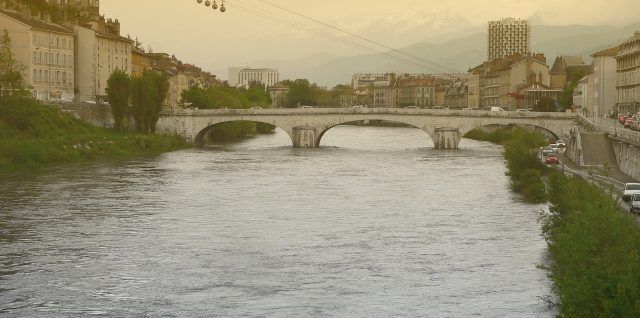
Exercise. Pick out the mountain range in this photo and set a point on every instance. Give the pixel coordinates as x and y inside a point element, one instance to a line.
<point>457,51</point>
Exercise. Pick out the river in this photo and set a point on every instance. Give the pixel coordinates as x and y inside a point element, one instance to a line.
<point>375,223</point>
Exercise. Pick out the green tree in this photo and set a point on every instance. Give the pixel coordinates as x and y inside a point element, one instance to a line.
<point>300,93</point>
<point>574,75</point>
<point>10,69</point>
<point>118,94</point>
<point>148,93</point>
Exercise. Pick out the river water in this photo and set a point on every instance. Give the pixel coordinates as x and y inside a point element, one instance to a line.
<point>375,223</point>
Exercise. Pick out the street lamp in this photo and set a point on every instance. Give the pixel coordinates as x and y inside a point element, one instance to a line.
<point>213,5</point>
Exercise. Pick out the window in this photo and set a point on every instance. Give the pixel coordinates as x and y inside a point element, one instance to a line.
<point>46,76</point>
<point>35,75</point>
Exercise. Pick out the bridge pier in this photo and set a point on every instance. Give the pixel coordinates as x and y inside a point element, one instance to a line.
<point>447,138</point>
<point>304,137</point>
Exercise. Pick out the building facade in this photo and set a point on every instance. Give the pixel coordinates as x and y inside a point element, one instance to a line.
<point>46,51</point>
<point>245,77</point>
<point>604,81</point>
<point>100,51</point>
<point>502,81</point>
<point>507,37</point>
<point>563,67</point>
<point>628,75</point>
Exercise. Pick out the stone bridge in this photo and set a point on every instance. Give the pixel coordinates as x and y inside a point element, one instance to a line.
<point>307,126</point>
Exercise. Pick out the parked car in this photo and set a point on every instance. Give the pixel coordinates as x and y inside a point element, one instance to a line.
<point>439,107</point>
<point>411,107</point>
<point>629,190</point>
<point>547,151</point>
<point>467,108</point>
<point>523,110</point>
<point>497,109</point>
<point>552,159</point>
<point>306,107</point>
<point>256,107</point>
<point>561,143</point>
<point>358,107</point>
<point>634,204</point>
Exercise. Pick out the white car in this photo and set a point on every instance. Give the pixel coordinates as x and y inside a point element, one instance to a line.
<point>561,143</point>
<point>256,107</point>
<point>629,190</point>
<point>357,107</point>
<point>306,107</point>
<point>467,108</point>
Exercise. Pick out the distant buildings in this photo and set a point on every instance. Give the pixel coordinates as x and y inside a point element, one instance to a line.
<point>507,37</point>
<point>245,77</point>
<point>392,90</point>
<point>46,51</point>
<point>628,75</point>
<point>502,81</point>
<point>74,59</point>
<point>564,66</point>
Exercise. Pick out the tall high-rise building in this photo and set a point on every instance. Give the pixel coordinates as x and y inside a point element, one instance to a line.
<point>245,77</point>
<point>509,36</point>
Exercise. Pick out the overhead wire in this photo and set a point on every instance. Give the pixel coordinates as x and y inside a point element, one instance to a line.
<point>358,36</point>
<point>274,17</point>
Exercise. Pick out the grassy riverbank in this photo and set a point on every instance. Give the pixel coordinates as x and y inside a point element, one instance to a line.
<point>33,136</point>
<point>594,248</point>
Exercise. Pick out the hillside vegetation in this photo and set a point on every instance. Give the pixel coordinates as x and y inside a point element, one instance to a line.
<point>33,135</point>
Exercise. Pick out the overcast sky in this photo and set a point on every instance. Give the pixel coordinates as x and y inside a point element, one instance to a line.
<point>246,33</point>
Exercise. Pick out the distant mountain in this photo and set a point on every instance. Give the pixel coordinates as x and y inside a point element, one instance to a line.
<point>461,53</point>
<point>296,68</point>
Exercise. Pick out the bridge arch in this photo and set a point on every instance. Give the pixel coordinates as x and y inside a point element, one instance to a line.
<point>327,127</point>
<point>200,136</point>
<point>550,131</point>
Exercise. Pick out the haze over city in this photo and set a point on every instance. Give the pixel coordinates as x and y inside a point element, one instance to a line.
<point>241,36</point>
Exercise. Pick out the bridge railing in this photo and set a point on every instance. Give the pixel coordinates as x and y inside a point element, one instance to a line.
<point>351,111</point>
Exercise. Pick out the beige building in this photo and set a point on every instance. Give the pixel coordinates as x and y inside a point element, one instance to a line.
<point>563,66</point>
<point>140,62</point>
<point>604,81</point>
<point>507,37</point>
<point>473,100</point>
<point>244,77</point>
<point>46,51</point>
<point>502,80</point>
<point>100,51</point>
<point>628,75</point>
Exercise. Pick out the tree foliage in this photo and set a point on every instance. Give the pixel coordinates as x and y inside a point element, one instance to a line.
<point>118,94</point>
<point>574,75</point>
<point>595,251</point>
<point>148,93</point>
<point>217,97</point>
<point>10,68</point>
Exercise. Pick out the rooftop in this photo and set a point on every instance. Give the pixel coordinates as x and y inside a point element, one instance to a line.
<point>35,23</point>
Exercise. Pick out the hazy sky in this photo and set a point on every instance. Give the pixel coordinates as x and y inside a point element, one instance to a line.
<point>246,33</point>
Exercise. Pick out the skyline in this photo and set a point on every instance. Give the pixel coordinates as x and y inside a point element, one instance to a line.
<point>243,36</point>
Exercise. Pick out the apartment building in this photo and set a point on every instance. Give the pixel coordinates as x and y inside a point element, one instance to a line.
<point>507,37</point>
<point>502,81</point>
<point>100,50</point>
<point>628,75</point>
<point>604,81</point>
<point>46,51</point>
<point>245,77</point>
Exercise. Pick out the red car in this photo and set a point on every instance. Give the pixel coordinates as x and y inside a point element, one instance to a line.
<point>551,160</point>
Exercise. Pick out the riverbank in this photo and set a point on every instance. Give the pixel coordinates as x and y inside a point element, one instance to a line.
<point>33,136</point>
<point>594,249</point>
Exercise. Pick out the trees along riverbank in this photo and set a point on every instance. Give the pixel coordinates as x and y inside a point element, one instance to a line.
<point>594,247</point>
<point>34,136</point>
<point>219,97</point>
